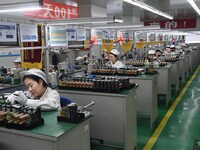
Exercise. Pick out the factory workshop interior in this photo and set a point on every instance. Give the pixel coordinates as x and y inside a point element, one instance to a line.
<point>99,74</point>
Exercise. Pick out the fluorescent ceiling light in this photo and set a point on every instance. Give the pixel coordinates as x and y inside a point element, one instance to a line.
<point>81,21</point>
<point>20,9</point>
<point>118,20</point>
<point>144,28</point>
<point>128,27</point>
<point>118,26</point>
<point>149,8</point>
<point>194,5</point>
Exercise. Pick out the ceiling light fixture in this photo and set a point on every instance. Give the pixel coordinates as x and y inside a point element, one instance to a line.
<point>194,5</point>
<point>128,27</point>
<point>21,9</point>
<point>149,8</point>
<point>82,21</point>
<point>117,26</point>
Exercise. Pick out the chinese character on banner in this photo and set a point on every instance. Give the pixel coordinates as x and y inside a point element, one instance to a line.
<point>32,56</point>
<point>54,10</point>
<point>174,24</point>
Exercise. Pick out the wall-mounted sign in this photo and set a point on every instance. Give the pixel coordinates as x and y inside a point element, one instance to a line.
<point>71,34</point>
<point>125,35</point>
<point>174,24</point>
<point>8,32</point>
<point>159,37</point>
<point>170,37</point>
<point>28,33</point>
<point>166,37</point>
<point>8,52</point>
<point>81,34</point>
<point>112,35</point>
<point>131,35</point>
<point>106,34</point>
<point>151,37</point>
<point>140,36</point>
<point>57,36</point>
<point>54,10</point>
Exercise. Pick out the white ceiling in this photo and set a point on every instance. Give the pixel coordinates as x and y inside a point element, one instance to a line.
<point>178,8</point>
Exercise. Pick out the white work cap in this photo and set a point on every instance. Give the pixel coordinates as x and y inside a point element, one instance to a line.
<point>194,47</point>
<point>172,46</point>
<point>151,52</point>
<point>36,72</point>
<point>115,52</point>
<point>177,47</point>
<point>187,44</point>
<point>18,60</point>
<point>183,44</point>
<point>79,58</point>
<point>167,46</point>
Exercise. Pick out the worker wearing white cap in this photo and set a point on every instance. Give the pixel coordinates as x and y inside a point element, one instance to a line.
<point>167,51</point>
<point>14,72</point>
<point>167,46</point>
<point>17,62</point>
<point>151,52</point>
<point>177,50</point>
<point>113,59</point>
<point>151,55</point>
<point>38,93</point>
<point>172,47</point>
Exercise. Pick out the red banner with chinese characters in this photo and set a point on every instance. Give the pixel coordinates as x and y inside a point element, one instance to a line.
<point>174,24</point>
<point>54,10</point>
<point>33,58</point>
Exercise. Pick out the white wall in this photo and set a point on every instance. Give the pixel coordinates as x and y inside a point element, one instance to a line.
<point>7,62</point>
<point>97,11</point>
<point>192,38</point>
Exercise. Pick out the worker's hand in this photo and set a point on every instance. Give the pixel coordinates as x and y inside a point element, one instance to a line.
<point>20,97</point>
<point>11,98</point>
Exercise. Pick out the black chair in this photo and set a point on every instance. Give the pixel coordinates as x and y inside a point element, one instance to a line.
<point>64,101</point>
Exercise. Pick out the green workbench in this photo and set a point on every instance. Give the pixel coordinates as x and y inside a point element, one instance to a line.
<point>114,122</point>
<point>52,135</point>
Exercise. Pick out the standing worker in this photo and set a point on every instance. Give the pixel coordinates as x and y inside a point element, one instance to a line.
<point>17,63</point>
<point>13,72</point>
<point>38,93</point>
<point>113,59</point>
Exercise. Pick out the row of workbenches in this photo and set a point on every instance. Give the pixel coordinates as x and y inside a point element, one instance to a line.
<point>115,115</point>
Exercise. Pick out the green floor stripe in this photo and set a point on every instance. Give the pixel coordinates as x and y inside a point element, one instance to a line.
<point>164,121</point>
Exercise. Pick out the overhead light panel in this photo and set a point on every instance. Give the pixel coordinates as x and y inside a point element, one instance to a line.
<point>82,21</point>
<point>138,27</point>
<point>118,26</point>
<point>20,7</point>
<point>194,5</point>
<point>149,8</point>
<point>143,28</point>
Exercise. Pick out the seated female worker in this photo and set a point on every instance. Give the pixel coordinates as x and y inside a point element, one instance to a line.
<point>113,59</point>
<point>38,93</point>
